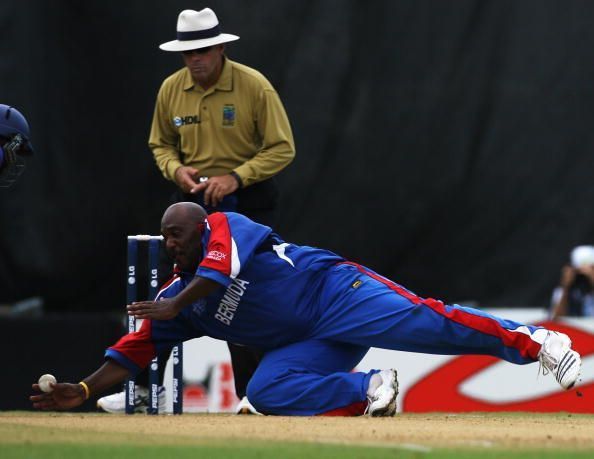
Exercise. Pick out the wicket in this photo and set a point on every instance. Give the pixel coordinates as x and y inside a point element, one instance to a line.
<point>154,244</point>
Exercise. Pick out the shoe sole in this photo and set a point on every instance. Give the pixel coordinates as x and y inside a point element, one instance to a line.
<point>99,407</point>
<point>138,409</point>
<point>390,408</point>
<point>245,410</point>
<point>578,361</point>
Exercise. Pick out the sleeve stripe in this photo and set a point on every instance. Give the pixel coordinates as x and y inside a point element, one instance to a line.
<point>219,251</point>
<point>124,361</point>
<point>135,348</point>
<point>235,263</point>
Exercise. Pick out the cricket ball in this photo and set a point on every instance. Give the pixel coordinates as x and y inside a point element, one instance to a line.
<point>44,383</point>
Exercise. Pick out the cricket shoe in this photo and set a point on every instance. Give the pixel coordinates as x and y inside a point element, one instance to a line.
<point>557,357</point>
<point>245,407</point>
<point>384,389</point>
<point>116,403</point>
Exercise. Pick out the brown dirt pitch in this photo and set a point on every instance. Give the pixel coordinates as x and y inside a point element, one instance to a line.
<point>518,431</point>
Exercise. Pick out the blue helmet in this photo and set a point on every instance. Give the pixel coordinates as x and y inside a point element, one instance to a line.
<point>14,143</point>
<point>12,122</point>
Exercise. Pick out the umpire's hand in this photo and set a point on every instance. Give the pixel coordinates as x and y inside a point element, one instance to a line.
<point>217,188</point>
<point>185,178</point>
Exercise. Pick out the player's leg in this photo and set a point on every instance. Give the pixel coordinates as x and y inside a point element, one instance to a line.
<point>314,377</point>
<point>259,202</point>
<point>244,361</point>
<point>376,312</point>
<point>116,403</point>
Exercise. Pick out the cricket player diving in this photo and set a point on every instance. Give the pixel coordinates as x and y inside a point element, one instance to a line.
<point>14,144</point>
<point>314,314</point>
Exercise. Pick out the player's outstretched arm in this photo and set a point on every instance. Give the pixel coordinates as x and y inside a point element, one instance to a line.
<point>168,308</point>
<point>65,396</point>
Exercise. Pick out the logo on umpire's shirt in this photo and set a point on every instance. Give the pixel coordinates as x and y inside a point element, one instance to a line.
<point>229,115</point>
<point>185,120</point>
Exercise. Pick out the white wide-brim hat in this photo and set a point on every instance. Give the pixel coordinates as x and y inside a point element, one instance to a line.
<point>582,255</point>
<point>197,29</point>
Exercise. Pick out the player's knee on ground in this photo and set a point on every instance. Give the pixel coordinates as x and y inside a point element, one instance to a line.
<point>263,393</point>
<point>256,394</point>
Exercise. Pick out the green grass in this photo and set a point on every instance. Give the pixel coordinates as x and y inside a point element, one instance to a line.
<point>49,440</point>
<point>261,451</point>
<point>57,451</point>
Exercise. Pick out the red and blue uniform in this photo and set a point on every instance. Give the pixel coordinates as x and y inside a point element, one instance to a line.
<point>316,315</point>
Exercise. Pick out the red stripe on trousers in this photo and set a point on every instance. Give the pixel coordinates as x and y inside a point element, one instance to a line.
<point>517,340</point>
<point>354,409</point>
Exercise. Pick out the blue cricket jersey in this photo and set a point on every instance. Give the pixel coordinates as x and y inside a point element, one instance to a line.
<point>274,294</point>
<point>268,295</point>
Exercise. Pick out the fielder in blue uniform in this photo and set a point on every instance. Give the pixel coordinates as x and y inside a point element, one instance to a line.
<point>314,313</point>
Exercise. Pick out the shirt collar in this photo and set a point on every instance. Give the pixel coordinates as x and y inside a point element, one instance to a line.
<point>188,81</point>
<point>225,82</point>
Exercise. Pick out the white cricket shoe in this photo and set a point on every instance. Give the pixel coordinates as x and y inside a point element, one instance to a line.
<point>245,407</point>
<point>382,400</point>
<point>116,403</point>
<point>557,357</point>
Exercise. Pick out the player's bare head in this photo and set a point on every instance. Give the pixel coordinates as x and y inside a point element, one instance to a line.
<point>182,225</point>
<point>184,213</point>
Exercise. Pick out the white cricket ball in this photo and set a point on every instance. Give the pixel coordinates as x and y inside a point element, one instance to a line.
<point>44,383</point>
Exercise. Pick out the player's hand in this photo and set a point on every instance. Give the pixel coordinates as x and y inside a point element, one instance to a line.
<point>65,396</point>
<point>186,178</point>
<point>567,276</point>
<point>219,187</point>
<point>159,310</point>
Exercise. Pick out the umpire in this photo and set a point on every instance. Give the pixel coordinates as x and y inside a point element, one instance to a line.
<point>221,133</point>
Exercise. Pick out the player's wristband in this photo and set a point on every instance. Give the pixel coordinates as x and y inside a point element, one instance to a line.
<point>86,388</point>
<point>236,176</point>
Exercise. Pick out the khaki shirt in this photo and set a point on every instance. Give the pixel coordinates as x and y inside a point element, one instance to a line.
<point>239,124</point>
